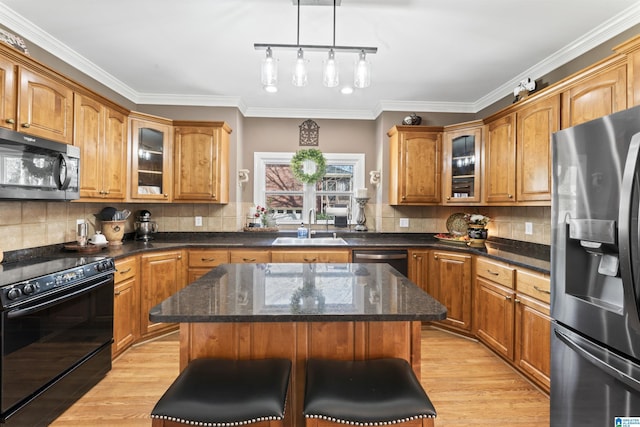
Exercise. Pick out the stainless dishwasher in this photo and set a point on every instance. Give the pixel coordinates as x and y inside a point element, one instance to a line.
<point>396,258</point>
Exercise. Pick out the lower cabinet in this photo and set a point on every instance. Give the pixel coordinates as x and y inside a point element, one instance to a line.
<point>311,256</point>
<point>511,316</point>
<point>162,275</point>
<point>201,261</point>
<point>243,256</point>
<point>450,283</point>
<point>126,305</point>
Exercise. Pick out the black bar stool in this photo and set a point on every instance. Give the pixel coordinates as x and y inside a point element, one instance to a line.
<point>225,393</point>
<point>365,393</point>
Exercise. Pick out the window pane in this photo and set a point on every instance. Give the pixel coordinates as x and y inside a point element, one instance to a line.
<point>338,178</point>
<point>278,177</point>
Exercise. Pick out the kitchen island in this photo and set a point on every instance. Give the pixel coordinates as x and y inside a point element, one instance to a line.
<point>300,311</point>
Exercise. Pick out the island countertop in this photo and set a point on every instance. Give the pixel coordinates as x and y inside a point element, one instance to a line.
<point>290,292</point>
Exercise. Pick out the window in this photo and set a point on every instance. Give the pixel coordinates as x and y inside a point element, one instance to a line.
<point>276,187</point>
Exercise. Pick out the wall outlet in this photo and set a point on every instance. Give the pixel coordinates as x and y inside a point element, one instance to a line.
<point>198,221</point>
<point>528,228</point>
<point>404,222</point>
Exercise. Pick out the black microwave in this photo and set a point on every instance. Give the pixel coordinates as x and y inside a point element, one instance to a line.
<point>35,168</point>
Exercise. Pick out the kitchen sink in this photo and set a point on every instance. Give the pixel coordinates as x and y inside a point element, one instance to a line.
<point>317,241</point>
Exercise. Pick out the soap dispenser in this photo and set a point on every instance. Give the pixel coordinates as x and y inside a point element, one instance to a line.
<point>303,233</point>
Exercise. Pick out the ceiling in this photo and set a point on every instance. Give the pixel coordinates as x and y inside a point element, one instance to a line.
<point>433,55</point>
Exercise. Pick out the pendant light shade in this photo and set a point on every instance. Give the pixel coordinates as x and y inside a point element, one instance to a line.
<point>330,77</point>
<point>269,72</point>
<point>362,72</point>
<point>300,70</point>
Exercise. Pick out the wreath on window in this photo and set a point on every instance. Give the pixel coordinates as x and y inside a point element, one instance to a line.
<point>297,165</point>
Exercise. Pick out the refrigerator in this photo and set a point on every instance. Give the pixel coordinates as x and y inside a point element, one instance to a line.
<point>595,273</point>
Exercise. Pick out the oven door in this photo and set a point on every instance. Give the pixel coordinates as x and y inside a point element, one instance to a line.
<point>44,340</point>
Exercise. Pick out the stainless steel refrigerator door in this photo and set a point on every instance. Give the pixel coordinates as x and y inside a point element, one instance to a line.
<point>595,259</point>
<point>590,385</point>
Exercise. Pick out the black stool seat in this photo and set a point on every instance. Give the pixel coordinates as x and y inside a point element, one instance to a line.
<point>365,392</point>
<point>221,392</point>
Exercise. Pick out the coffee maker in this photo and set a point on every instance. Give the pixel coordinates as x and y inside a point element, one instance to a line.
<point>144,226</point>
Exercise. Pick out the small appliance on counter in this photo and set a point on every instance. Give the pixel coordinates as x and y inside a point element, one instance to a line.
<point>144,226</point>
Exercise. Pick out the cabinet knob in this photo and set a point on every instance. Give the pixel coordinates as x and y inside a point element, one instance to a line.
<point>213,196</point>
<point>415,256</point>
<point>517,301</point>
<point>165,195</point>
<point>10,121</point>
<point>448,197</point>
<point>435,257</point>
<point>179,256</point>
<point>508,297</point>
<point>510,196</point>
<point>26,125</point>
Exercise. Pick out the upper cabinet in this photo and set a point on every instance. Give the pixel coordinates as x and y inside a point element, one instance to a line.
<point>151,141</point>
<point>101,135</point>
<point>201,159</point>
<point>461,154</point>
<point>500,160</point>
<point>535,125</point>
<point>415,160</point>
<point>596,93</point>
<point>8,105</point>
<point>45,107</point>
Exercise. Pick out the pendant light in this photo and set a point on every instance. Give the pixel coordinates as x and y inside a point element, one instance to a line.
<point>330,77</point>
<point>300,70</point>
<point>269,72</point>
<point>362,72</point>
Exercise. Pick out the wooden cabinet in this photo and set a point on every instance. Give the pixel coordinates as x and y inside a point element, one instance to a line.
<point>201,261</point>
<point>240,256</point>
<point>151,142</point>
<point>126,305</point>
<point>101,135</point>
<point>45,107</point>
<point>8,102</point>
<point>450,283</point>
<point>512,317</point>
<point>311,255</point>
<point>418,267</point>
<point>533,327</point>
<point>415,158</point>
<point>499,183</point>
<point>461,154</point>
<point>493,306</point>
<point>599,92</point>
<point>535,124</point>
<point>162,275</point>
<point>201,158</point>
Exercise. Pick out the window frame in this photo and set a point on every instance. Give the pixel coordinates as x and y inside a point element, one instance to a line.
<point>261,159</point>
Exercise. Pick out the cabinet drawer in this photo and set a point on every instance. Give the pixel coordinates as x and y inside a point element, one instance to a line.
<point>249,256</point>
<point>310,256</point>
<point>535,285</point>
<point>495,271</point>
<point>125,269</point>
<point>208,257</point>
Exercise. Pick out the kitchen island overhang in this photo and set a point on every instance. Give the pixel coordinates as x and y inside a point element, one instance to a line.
<point>298,312</point>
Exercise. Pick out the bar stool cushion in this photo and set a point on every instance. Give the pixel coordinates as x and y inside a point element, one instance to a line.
<point>221,392</point>
<point>365,392</point>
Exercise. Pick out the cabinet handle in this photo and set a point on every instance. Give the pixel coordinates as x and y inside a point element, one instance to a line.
<point>310,259</point>
<point>26,125</point>
<point>10,121</point>
<point>117,293</point>
<point>544,291</point>
<point>125,271</point>
<point>248,259</point>
<point>492,272</point>
<point>207,259</point>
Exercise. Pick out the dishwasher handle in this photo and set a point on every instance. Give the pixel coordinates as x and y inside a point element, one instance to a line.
<point>379,256</point>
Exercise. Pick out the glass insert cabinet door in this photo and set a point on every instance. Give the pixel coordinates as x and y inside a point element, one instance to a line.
<point>150,160</point>
<point>461,169</point>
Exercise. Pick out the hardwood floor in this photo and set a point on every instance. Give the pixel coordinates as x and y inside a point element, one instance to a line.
<point>468,384</point>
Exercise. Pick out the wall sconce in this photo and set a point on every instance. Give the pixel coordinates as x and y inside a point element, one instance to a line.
<point>243,176</point>
<point>374,177</point>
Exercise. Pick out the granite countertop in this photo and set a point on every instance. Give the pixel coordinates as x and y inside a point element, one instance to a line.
<point>528,255</point>
<point>299,293</point>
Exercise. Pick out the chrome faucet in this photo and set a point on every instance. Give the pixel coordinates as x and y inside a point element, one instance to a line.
<point>312,215</point>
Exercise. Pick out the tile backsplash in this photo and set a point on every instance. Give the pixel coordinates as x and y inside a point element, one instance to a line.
<point>33,223</point>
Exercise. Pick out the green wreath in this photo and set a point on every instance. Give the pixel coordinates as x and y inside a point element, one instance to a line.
<point>297,165</point>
